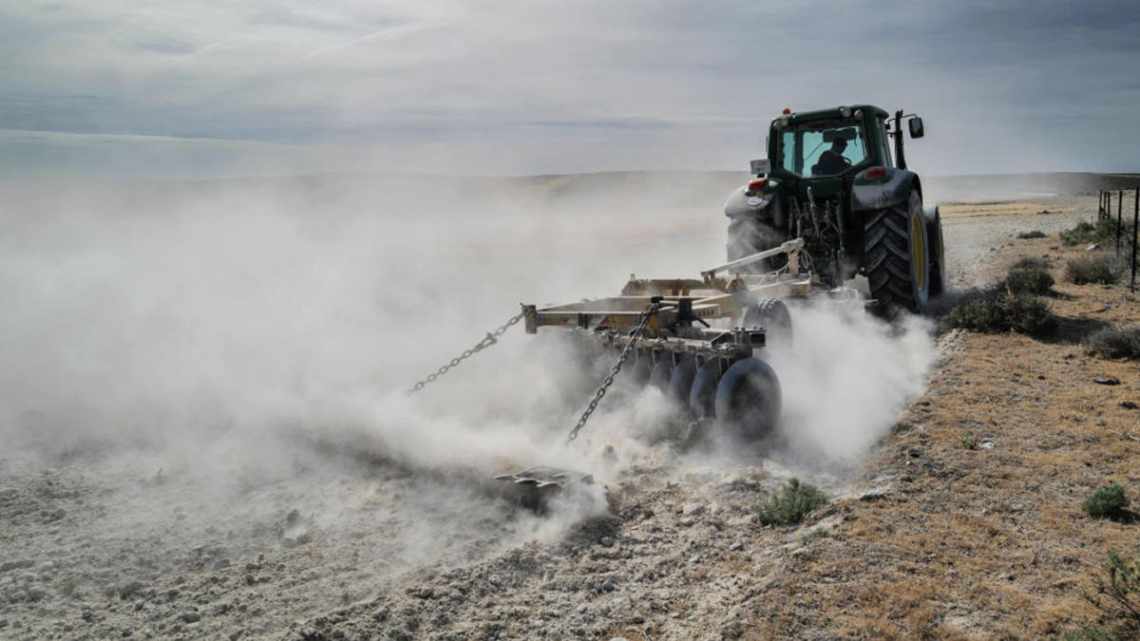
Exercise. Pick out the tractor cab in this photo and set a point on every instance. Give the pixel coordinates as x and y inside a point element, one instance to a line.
<point>825,149</point>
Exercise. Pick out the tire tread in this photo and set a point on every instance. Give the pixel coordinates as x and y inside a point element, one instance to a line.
<point>887,256</point>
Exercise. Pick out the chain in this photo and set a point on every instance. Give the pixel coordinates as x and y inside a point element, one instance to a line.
<point>490,339</point>
<point>609,380</point>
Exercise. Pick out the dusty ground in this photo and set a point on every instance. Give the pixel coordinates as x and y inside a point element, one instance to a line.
<point>932,540</point>
<point>979,532</point>
<point>977,231</point>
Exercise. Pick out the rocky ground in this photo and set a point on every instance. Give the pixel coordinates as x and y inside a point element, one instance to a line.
<point>930,539</point>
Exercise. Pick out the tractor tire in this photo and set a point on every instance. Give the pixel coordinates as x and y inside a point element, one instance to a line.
<point>895,255</point>
<point>937,250</point>
<point>702,393</point>
<point>748,399</point>
<point>772,315</point>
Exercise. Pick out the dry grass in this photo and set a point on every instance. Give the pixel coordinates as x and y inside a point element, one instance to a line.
<point>1007,208</point>
<point>990,542</point>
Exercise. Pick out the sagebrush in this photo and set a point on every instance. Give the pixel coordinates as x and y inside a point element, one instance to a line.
<point>1029,276</point>
<point>1116,342</point>
<point>791,504</point>
<point>1107,502</point>
<point>998,309</point>
<point>1085,233</point>
<point>1098,269</point>
<point>1031,262</point>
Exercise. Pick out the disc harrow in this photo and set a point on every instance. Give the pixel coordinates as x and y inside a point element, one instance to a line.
<point>701,341</point>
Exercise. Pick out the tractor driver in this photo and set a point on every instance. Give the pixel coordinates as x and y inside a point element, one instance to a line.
<point>832,161</point>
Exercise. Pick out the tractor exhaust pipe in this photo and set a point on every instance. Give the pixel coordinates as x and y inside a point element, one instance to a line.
<point>900,157</point>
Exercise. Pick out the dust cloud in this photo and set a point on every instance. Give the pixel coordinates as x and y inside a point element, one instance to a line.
<point>244,347</point>
<point>845,379</point>
<point>240,335</point>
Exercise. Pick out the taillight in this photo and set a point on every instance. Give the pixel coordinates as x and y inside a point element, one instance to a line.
<point>875,173</point>
<point>756,184</point>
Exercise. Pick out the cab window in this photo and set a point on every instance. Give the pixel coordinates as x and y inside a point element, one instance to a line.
<point>788,142</point>
<point>823,148</point>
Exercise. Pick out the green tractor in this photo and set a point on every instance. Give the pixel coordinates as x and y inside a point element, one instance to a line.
<point>830,179</point>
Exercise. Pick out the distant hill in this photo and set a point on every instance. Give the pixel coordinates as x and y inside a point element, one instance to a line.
<point>643,190</point>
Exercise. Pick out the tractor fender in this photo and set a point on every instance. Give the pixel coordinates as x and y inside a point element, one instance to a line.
<point>762,205</point>
<point>880,194</point>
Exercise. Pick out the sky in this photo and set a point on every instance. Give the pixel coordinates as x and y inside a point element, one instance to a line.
<point>189,87</point>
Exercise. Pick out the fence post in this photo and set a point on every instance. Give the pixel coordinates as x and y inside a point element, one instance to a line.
<point>1119,222</point>
<point>1135,228</point>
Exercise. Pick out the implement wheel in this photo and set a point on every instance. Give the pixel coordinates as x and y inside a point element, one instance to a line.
<point>702,393</point>
<point>640,367</point>
<point>681,380</point>
<point>662,371</point>
<point>772,315</point>
<point>896,254</point>
<point>748,398</point>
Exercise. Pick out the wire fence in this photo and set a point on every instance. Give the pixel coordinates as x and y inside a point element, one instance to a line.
<point>1125,246</point>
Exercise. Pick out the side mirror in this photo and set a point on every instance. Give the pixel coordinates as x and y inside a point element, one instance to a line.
<point>760,167</point>
<point>916,130</point>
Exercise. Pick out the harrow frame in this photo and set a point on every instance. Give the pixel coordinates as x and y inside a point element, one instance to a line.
<point>687,305</point>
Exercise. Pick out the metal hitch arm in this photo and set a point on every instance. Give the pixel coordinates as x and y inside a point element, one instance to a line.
<point>791,248</point>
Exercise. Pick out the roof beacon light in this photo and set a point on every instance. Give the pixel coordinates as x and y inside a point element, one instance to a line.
<point>756,185</point>
<point>787,111</point>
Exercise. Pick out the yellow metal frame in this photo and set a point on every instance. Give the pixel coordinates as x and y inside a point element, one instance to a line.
<point>711,297</point>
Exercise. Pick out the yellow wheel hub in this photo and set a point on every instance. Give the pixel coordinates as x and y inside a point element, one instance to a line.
<point>918,251</point>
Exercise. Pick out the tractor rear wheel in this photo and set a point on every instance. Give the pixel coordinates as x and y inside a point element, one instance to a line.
<point>896,256</point>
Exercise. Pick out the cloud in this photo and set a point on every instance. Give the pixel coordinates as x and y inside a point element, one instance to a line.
<point>168,46</point>
<point>304,18</point>
<point>1034,86</point>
